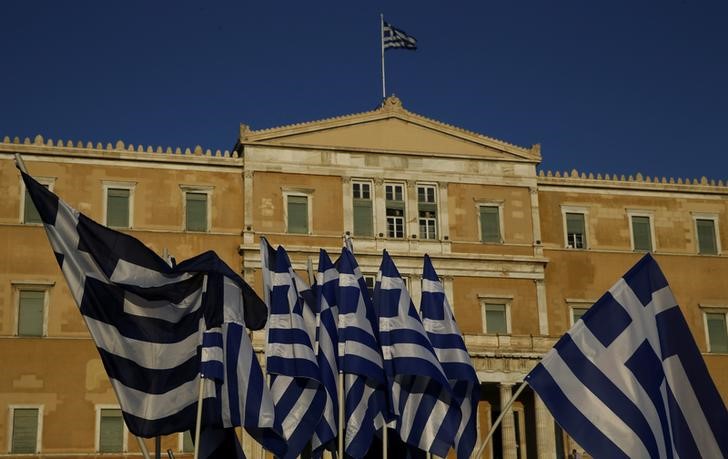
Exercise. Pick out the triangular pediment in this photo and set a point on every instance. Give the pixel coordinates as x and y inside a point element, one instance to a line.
<point>391,129</point>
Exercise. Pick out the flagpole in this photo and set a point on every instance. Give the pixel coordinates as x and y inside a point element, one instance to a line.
<point>498,420</point>
<point>142,447</point>
<point>385,441</point>
<point>198,423</point>
<point>20,163</point>
<point>341,415</point>
<point>381,37</point>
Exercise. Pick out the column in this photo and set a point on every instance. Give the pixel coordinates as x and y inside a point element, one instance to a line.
<point>248,233</point>
<point>536,217</point>
<point>508,426</point>
<point>545,435</point>
<point>380,219</point>
<point>541,301</point>
<point>348,206</point>
<point>443,219</point>
<point>411,212</point>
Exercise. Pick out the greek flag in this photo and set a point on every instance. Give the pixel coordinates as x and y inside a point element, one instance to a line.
<point>148,319</point>
<point>420,392</point>
<point>327,284</point>
<point>393,37</point>
<point>361,361</point>
<point>447,341</point>
<point>295,379</point>
<point>628,380</point>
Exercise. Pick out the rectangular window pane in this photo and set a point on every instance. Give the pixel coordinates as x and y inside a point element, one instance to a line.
<point>188,445</point>
<point>575,231</point>
<point>30,313</point>
<point>111,431</point>
<point>489,224</point>
<point>25,430</point>
<point>577,313</point>
<point>706,237</point>
<point>717,334</point>
<point>196,218</point>
<point>495,318</point>
<point>30,213</point>
<point>363,218</point>
<point>298,214</point>
<point>117,207</point>
<point>641,233</point>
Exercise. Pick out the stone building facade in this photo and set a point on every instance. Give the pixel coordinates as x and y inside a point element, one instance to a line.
<point>522,253</point>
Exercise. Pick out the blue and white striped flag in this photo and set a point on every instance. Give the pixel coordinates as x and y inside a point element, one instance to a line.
<point>393,37</point>
<point>327,286</point>
<point>361,361</point>
<point>447,341</point>
<point>628,380</point>
<point>295,379</point>
<point>420,391</point>
<point>147,320</point>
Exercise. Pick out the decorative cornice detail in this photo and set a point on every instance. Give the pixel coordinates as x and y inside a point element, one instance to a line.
<point>582,178</point>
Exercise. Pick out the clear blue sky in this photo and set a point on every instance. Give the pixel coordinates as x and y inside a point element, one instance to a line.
<point>605,86</point>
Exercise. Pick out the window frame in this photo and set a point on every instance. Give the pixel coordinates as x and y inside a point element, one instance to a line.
<point>501,222</point>
<point>97,435</point>
<point>11,421</point>
<point>575,210</point>
<point>114,185</point>
<point>713,309</point>
<point>403,217</point>
<point>198,189</point>
<point>47,181</point>
<point>371,200</point>
<point>716,231</point>
<point>505,300</point>
<point>32,286</point>
<point>430,221</point>
<point>308,194</point>
<point>651,218</point>
<point>577,303</point>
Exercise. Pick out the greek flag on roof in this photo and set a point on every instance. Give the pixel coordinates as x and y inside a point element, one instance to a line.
<point>147,320</point>
<point>295,381</point>
<point>420,391</point>
<point>327,284</point>
<point>361,361</point>
<point>393,37</point>
<point>447,341</point>
<point>628,380</point>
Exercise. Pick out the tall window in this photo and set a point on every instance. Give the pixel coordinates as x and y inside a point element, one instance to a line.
<point>187,445</point>
<point>427,210</point>
<point>575,230</point>
<point>118,207</point>
<point>25,427</point>
<point>297,214</point>
<point>195,211</point>
<point>31,312</point>
<point>111,430</point>
<point>495,317</point>
<point>717,332</point>
<point>641,233</point>
<point>490,230</point>
<point>363,208</point>
<point>705,229</point>
<point>395,209</point>
<point>370,281</point>
<point>30,213</point>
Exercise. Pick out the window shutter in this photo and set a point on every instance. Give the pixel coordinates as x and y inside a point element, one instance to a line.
<point>117,207</point>
<point>363,217</point>
<point>196,211</point>
<point>111,431</point>
<point>298,214</point>
<point>717,334</point>
<point>25,430</point>
<point>187,443</point>
<point>706,237</point>
<point>489,224</point>
<point>641,233</point>
<point>495,318</point>
<point>30,212</point>
<point>30,313</point>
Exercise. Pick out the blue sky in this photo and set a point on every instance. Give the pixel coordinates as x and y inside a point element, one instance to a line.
<point>604,86</point>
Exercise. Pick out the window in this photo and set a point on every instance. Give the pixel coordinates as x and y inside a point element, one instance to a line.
<point>717,333</point>
<point>196,211</point>
<point>705,230</point>
<point>577,313</point>
<point>370,281</point>
<point>363,209</point>
<point>575,230</point>
<point>186,443</point>
<point>297,214</point>
<point>427,209</point>
<point>641,233</point>
<point>29,214</point>
<point>31,312</point>
<point>25,430</point>
<point>496,320</point>
<point>490,225</point>
<point>111,430</point>
<point>395,209</point>
<point>118,204</point>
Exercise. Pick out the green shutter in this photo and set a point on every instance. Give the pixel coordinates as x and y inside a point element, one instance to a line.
<point>706,237</point>
<point>30,313</point>
<point>25,430</point>
<point>188,445</point>
<point>363,218</point>
<point>298,214</point>
<point>489,224</point>
<point>495,319</point>
<point>30,213</point>
<point>641,233</point>
<point>196,211</point>
<point>111,431</point>
<point>117,207</point>
<point>717,334</point>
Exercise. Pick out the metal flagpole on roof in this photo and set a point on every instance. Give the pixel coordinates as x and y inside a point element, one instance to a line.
<point>381,38</point>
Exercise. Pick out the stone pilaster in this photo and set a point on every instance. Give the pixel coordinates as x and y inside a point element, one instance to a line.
<point>545,435</point>
<point>508,426</point>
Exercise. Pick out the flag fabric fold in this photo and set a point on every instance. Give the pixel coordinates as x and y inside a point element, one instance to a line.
<point>393,38</point>
<point>421,396</point>
<point>447,341</point>
<point>628,380</point>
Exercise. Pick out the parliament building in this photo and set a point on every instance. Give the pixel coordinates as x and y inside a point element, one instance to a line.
<point>522,252</point>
